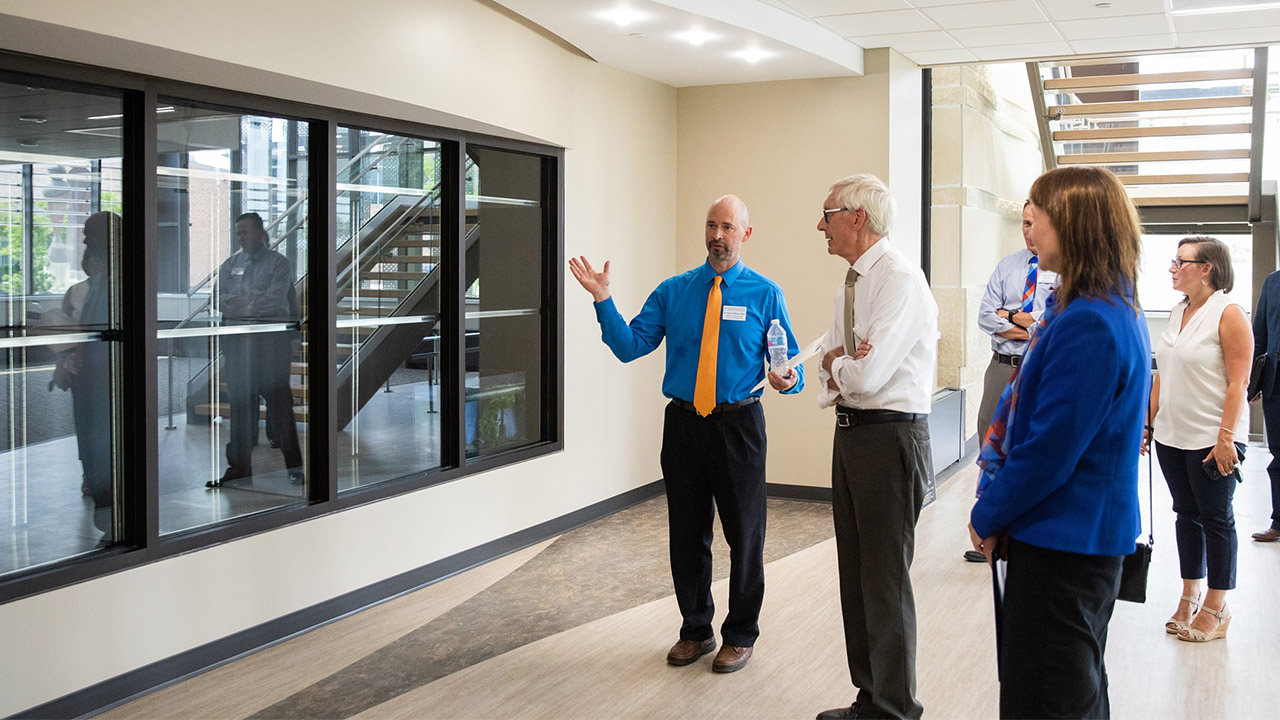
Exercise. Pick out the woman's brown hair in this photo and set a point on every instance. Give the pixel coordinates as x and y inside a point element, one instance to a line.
<point>1215,252</point>
<point>1099,234</point>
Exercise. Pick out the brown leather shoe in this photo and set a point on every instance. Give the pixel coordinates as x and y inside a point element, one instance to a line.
<point>731,658</point>
<point>1269,535</point>
<point>686,651</point>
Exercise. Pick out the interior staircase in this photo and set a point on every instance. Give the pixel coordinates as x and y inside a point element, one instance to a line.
<point>387,269</point>
<point>1181,131</point>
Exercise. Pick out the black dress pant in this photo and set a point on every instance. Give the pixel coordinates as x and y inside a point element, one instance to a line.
<point>1206,521</point>
<point>710,463</point>
<point>91,403</point>
<point>879,474</point>
<point>258,366</point>
<point>1053,633</point>
<point>1271,414</point>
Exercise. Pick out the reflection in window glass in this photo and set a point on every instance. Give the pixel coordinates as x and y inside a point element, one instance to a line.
<point>232,360</point>
<point>1155,284</point>
<point>388,305</point>
<point>504,389</point>
<point>60,238</point>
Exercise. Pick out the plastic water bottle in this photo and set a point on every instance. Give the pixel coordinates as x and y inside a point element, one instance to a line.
<point>777,347</point>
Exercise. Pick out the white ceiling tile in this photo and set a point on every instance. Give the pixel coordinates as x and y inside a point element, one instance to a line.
<point>909,42</point>
<point>879,23</point>
<point>939,57</point>
<point>938,3</point>
<point>1023,50</point>
<point>1124,44</point>
<point>1238,36</point>
<point>1114,27</point>
<point>818,8</point>
<point>1006,12</point>
<point>1007,34</point>
<point>1081,10</point>
<point>1227,21</point>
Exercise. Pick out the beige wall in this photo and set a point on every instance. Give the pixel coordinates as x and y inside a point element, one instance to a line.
<point>986,154</point>
<point>779,146</point>
<point>620,131</point>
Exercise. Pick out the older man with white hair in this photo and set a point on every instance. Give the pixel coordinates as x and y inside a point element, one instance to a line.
<point>878,373</point>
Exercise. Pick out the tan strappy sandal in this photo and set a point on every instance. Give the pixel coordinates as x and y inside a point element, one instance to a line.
<point>1174,627</point>
<point>1224,619</point>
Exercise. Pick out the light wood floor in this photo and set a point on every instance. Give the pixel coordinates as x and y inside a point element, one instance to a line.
<point>614,666</point>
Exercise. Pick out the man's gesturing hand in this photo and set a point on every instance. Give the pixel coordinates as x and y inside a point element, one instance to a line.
<point>596,283</point>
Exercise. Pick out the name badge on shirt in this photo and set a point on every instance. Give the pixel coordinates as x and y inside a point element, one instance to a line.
<point>237,271</point>
<point>733,312</point>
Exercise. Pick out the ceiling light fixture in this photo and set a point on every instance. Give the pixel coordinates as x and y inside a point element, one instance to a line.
<point>1227,9</point>
<point>105,117</point>
<point>697,38</point>
<point>752,55</point>
<point>623,16</point>
<point>28,143</point>
<point>37,119</point>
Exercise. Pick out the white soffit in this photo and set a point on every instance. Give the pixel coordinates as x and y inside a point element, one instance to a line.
<point>825,38</point>
<point>693,42</point>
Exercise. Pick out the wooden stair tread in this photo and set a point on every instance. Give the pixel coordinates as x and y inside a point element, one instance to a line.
<point>1137,80</point>
<point>1140,106</point>
<point>1146,132</point>
<point>1194,179</point>
<point>1197,200</point>
<point>300,412</point>
<point>1124,158</point>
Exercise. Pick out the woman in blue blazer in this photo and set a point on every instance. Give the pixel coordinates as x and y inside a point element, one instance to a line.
<point>1059,494</point>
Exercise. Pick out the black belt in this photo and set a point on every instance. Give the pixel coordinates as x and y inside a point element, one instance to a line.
<point>848,417</point>
<point>1013,360</point>
<point>719,408</point>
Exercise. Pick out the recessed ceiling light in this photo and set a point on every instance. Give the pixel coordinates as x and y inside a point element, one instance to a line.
<point>37,119</point>
<point>697,37</point>
<point>752,55</point>
<point>1227,9</point>
<point>105,117</point>
<point>623,16</point>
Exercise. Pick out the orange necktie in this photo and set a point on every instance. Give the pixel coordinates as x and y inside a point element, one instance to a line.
<point>704,392</point>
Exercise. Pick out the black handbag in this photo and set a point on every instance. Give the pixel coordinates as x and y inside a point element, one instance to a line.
<point>1255,378</point>
<point>1133,574</point>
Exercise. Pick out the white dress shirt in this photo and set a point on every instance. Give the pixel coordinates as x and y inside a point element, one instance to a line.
<point>1004,291</point>
<point>895,311</point>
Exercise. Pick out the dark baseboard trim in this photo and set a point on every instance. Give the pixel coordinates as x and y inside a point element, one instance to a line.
<point>136,683</point>
<point>808,493</point>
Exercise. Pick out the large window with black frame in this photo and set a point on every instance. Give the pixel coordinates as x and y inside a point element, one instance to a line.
<point>232,349</point>
<point>60,239</point>
<point>441,252</point>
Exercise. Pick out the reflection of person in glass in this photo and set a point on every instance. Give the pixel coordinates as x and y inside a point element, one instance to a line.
<point>255,285</point>
<point>85,368</point>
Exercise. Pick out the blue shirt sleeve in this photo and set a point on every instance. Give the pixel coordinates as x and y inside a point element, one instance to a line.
<point>639,338</point>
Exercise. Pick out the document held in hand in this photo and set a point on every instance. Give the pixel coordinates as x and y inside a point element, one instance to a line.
<point>796,360</point>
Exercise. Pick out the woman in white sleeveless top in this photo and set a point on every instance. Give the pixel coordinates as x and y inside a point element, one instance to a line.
<point>1198,405</point>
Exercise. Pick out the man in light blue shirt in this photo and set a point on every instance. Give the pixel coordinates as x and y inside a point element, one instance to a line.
<point>1011,306</point>
<point>713,441</point>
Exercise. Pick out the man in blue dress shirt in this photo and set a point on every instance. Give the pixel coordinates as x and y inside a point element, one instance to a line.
<point>713,439</point>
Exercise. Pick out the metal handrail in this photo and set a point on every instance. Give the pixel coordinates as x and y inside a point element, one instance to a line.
<point>348,276</point>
